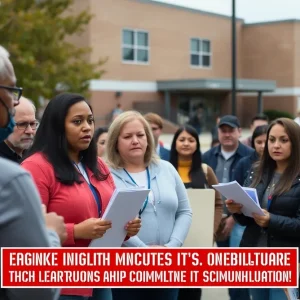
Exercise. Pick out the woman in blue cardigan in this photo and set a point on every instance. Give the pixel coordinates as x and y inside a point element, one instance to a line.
<point>166,214</point>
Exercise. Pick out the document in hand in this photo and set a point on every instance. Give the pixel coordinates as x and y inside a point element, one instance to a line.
<point>252,193</point>
<point>232,190</point>
<point>123,206</point>
<point>292,294</point>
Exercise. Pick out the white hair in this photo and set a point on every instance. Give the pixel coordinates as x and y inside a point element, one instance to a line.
<point>4,61</point>
<point>30,101</point>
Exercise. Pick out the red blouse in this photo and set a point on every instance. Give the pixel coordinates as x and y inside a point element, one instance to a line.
<point>75,203</point>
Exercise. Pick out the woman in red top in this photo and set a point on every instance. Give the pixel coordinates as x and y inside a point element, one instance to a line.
<point>71,180</point>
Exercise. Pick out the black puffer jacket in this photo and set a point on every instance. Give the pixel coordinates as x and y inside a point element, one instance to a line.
<point>284,226</point>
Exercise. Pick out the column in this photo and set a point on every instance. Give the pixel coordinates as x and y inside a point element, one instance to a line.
<point>260,104</point>
<point>167,105</point>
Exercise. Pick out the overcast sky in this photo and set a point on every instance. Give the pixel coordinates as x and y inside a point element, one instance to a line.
<point>249,10</point>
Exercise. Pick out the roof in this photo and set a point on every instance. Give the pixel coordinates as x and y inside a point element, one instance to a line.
<point>179,7</point>
<point>242,85</point>
<point>273,22</point>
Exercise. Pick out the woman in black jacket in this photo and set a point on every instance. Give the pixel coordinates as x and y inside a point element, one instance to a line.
<point>277,181</point>
<point>244,165</point>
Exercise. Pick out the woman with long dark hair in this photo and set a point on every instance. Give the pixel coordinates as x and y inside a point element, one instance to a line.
<point>277,181</point>
<point>71,179</point>
<point>244,166</point>
<point>186,157</point>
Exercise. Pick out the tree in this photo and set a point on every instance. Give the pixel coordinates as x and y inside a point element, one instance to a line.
<point>36,33</point>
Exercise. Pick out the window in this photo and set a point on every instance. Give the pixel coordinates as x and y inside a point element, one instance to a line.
<point>200,53</point>
<point>135,46</point>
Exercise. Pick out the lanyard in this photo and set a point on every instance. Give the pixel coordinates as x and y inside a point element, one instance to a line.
<point>133,181</point>
<point>83,172</point>
<point>271,190</point>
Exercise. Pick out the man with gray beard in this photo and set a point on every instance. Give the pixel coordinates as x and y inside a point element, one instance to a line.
<point>22,137</point>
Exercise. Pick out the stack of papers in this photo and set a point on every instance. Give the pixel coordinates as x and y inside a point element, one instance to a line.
<point>292,294</point>
<point>123,207</point>
<point>245,196</point>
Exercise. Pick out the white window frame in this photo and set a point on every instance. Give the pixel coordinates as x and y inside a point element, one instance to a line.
<point>135,47</point>
<point>201,53</point>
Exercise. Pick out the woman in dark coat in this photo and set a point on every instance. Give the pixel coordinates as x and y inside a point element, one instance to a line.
<point>277,181</point>
<point>258,142</point>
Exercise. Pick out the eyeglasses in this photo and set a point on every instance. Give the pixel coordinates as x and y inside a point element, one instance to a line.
<point>24,125</point>
<point>15,91</point>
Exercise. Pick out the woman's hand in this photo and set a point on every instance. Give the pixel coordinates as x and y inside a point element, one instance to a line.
<point>133,227</point>
<point>92,228</point>
<point>233,207</point>
<point>262,221</point>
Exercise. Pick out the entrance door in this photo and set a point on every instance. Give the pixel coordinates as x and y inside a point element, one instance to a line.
<point>206,106</point>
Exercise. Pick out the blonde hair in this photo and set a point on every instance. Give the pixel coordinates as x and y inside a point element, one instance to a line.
<point>113,157</point>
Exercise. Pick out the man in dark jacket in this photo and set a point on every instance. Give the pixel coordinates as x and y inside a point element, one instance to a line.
<point>223,160</point>
<point>22,223</point>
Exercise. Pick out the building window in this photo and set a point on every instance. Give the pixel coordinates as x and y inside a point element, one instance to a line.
<point>135,46</point>
<point>200,50</point>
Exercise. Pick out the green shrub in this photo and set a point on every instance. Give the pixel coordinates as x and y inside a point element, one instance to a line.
<point>275,114</point>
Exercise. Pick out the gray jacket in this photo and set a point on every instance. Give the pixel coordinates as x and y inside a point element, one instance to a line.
<point>170,225</point>
<point>22,223</point>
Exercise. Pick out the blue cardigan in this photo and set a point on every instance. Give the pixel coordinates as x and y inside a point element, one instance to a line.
<point>170,225</point>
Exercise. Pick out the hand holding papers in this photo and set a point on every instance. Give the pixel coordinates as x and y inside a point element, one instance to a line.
<point>245,196</point>
<point>122,208</point>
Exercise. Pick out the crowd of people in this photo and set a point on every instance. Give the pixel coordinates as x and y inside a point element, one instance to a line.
<point>57,177</point>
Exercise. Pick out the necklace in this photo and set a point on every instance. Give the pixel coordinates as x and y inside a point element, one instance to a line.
<point>270,188</point>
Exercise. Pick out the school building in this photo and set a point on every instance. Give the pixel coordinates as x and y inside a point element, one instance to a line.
<point>171,60</point>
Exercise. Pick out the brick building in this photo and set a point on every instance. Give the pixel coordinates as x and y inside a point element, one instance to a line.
<point>171,60</point>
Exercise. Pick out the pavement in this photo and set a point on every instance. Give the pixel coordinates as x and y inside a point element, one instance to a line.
<point>205,141</point>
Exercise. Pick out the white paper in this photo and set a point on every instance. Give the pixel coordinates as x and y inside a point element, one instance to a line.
<point>293,294</point>
<point>123,206</point>
<point>232,190</point>
<point>252,193</point>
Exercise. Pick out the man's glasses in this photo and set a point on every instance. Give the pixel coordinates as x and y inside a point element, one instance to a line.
<point>15,91</point>
<point>24,125</point>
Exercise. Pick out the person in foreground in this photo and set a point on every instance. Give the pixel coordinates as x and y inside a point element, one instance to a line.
<point>22,223</point>
<point>166,213</point>
<point>277,181</point>
<point>71,179</point>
